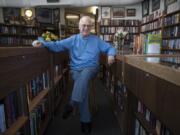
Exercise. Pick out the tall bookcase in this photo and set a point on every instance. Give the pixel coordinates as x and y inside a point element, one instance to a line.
<point>168,26</point>
<point>30,92</point>
<point>171,33</point>
<point>109,27</point>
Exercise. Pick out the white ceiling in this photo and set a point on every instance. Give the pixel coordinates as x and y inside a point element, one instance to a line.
<point>75,3</point>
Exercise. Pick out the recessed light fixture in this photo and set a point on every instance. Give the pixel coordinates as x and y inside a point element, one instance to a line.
<point>72,16</point>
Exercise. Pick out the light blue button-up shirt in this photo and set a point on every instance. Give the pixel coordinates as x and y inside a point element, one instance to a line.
<point>84,51</point>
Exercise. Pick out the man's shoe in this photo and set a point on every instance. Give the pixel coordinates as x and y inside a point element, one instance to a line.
<point>86,127</point>
<point>68,109</point>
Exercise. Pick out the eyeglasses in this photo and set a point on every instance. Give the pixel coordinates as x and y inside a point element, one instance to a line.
<point>85,25</point>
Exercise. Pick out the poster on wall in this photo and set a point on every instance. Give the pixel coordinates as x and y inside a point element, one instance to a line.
<point>155,5</point>
<point>44,15</point>
<point>105,12</point>
<point>118,12</point>
<point>153,47</point>
<point>145,7</point>
<point>11,14</point>
<point>168,2</point>
<point>131,12</point>
<point>56,15</point>
<point>154,44</point>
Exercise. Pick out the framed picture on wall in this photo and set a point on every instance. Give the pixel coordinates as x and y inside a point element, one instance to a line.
<point>155,5</point>
<point>44,15</point>
<point>56,15</point>
<point>11,14</point>
<point>105,12</point>
<point>168,2</point>
<point>145,7</point>
<point>118,12</point>
<point>131,12</point>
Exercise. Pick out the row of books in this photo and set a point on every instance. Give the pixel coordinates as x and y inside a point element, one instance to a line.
<point>151,26</point>
<point>37,84</point>
<point>2,120</point>
<point>170,20</point>
<point>111,83</point>
<point>58,70</point>
<point>171,32</point>
<point>113,30</point>
<point>152,16</point>
<point>171,60</point>
<point>11,108</point>
<point>149,117</point>
<point>15,41</point>
<point>120,94</point>
<point>18,25</point>
<point>72,30</point>
<point>140,130</point>
<point>38,117</point>
<point>171,44</point>
<point>119,22</point>
<point>170,52</point>
<point>18,30</point>
<point>73,23</point>
<point>107,81</point>
<point>58,91</point>
<point>110,38</point>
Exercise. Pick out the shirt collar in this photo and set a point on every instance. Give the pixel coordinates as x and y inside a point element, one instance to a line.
<point>84,38</point>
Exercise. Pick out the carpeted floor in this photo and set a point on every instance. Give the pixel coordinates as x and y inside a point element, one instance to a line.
<point>104,121</point>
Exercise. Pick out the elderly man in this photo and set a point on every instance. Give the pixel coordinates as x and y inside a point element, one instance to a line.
<point>84,49</point>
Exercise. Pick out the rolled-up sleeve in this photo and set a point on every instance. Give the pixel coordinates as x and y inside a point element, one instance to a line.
<point>58,46</point>
<point>107,48</point>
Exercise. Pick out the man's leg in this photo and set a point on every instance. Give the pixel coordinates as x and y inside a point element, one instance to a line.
<point>70,106</point>
<point>80,92</point>
<point>81,83</point>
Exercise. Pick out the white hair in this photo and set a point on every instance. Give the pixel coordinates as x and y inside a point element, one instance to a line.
<point>85,18</point>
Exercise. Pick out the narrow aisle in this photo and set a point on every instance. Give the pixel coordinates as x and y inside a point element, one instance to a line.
<point>104,121</point>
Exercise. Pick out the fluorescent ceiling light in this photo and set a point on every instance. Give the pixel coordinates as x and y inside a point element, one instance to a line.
<point>70,16</point>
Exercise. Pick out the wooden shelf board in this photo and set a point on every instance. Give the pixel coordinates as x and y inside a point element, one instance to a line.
<point>37,99</point>
<point>145,124</point>
<point>56,80</point>
<point>65,70</point>
<point>18,124</point>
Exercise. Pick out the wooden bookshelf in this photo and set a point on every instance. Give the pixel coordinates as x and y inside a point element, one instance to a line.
<point>152,84</point>
<point>155,86</point>
<point>27,77</point>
